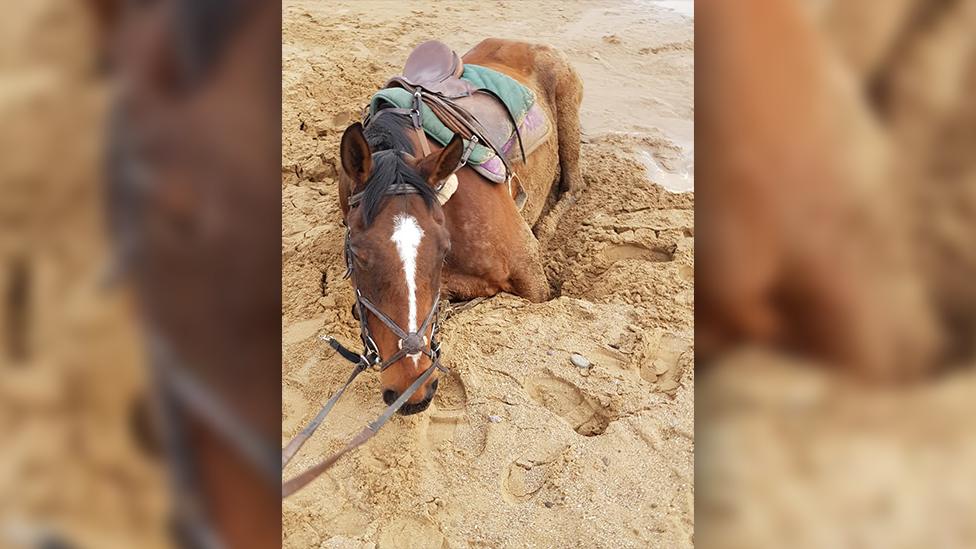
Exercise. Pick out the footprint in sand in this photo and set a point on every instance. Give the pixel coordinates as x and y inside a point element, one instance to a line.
<point>638,251</point>
<point>522,481</point>
<point>660,357</point>
<point>448,424</point>
<point>527,476</point>
<point>583,412</point>
<point>451,394</point>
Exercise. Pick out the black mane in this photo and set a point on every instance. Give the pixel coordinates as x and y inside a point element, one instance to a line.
<point>388,131</point>
<point>388,140</point>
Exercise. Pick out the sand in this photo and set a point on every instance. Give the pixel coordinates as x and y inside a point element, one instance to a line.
<point>520,448</point>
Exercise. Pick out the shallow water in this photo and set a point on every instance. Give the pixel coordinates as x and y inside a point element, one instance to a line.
<point>684,7</point>
<point>681,181</point>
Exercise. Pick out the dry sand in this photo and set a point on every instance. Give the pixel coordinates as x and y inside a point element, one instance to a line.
<point>520,448</point>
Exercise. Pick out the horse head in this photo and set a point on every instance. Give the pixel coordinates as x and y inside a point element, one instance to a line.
<point>396,245</point>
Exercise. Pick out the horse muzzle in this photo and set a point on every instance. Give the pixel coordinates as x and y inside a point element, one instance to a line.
<point>389,396</point>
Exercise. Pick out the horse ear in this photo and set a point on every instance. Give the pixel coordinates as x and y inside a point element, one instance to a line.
<point>357,161</point>
<point>439,167</point>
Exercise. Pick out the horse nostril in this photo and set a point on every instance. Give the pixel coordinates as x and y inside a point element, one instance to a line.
<point>389,396</point>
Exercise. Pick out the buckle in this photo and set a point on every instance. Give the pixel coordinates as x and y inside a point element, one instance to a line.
<point>376,364</point>
<point>415,111</point>
<point>467,152</point>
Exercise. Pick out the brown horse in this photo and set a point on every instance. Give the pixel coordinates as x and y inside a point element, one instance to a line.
<point>407,251</point>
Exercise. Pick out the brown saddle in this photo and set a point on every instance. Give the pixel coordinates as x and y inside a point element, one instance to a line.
<point>433,69</point>
<point>436,67</point>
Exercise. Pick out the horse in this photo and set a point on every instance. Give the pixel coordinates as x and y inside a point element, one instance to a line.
<point>406,250</point>
<point>193,213</point>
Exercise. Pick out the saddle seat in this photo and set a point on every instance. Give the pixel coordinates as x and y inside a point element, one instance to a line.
<point>436,67</point>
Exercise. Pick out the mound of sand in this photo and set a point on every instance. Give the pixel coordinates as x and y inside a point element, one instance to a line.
<point>520,448</point>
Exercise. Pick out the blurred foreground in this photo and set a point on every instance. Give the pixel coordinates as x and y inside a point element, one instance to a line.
<point>140,217</point>
<point>70,365</point>
<point>836,314</point>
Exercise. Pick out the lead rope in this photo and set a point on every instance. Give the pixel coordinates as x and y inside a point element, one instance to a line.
<point>361,363</point>
<point>301,480</point>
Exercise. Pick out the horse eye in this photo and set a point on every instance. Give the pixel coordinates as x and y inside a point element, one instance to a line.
<point>358,255</point>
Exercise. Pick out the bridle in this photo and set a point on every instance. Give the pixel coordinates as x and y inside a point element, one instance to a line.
<point>410,344</point>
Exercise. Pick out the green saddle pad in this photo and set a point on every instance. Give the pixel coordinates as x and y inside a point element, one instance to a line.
<point>517,98</point>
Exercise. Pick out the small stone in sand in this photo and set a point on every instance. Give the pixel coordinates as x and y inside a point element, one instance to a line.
<point>495,419</point>
<point>579,360</point>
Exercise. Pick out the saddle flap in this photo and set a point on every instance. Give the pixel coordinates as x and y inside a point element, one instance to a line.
<point>492,115</point>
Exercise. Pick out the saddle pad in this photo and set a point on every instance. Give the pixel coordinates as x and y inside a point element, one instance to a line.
<point>516,97</point>
<point>519,99</point>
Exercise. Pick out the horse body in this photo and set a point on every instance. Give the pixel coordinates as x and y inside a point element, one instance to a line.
<point>494,249</point>
<point>479,243</point>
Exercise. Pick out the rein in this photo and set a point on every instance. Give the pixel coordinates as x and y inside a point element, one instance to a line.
<point>410,343</point>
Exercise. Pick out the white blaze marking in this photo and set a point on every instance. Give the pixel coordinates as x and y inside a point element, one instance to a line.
<point>407,235</point>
